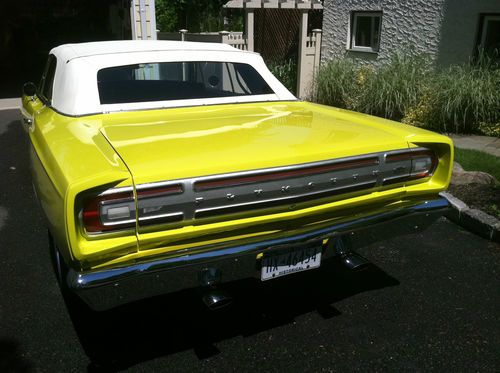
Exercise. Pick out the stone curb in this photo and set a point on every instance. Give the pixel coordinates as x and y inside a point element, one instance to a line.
<point>476,221</point>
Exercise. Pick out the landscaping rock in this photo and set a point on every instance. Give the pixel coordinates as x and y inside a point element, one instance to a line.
<point>471,177</point>
<point>457,167</point>
<point>496,233</point>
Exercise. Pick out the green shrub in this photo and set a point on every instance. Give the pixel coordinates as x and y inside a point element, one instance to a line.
<point>286,72</point>
<point>489,129</point>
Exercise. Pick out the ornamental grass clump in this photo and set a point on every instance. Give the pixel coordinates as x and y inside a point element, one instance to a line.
<point>387,91</point>
<point>392,89</point>
<point>335,84</point>
<point>408,88</point>
<point>462,99</point>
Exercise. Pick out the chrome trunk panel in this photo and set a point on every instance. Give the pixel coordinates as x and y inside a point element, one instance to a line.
<point>279,189</point>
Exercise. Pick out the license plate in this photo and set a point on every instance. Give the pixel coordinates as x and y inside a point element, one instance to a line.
<point>296,260</point>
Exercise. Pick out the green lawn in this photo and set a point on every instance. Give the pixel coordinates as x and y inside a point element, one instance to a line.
<point>474,160</point>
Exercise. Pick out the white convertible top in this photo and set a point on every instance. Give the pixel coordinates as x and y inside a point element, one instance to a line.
<point>68,52</point>
<point>75,90</point>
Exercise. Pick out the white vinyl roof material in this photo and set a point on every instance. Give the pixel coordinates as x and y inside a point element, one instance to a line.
<point>71,51</point>
<point>75,90</point>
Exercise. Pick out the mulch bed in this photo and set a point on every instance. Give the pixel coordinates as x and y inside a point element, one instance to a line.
<point>479,196</point>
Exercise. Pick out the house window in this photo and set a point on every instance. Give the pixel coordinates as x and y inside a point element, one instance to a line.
<point>489,38</point>
<point>365,31</point>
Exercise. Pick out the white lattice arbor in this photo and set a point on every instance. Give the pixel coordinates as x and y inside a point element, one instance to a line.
<point>309,45</point>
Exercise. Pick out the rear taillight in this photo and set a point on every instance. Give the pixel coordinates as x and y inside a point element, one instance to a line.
<point>157,204</point>
<point>109,211</point>
<point>421,163</point>
<point>115,209</point>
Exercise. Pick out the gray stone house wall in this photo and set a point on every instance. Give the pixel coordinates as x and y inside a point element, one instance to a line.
<point>444,29</point>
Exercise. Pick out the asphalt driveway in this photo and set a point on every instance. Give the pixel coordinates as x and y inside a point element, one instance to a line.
<point>430,303</point>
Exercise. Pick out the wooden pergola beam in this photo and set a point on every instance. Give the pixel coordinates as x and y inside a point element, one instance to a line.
<point>274,4</point>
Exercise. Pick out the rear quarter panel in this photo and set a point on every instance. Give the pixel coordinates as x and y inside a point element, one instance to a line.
<point>69,156</point>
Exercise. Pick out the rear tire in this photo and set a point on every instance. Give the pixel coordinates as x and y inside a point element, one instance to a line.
<point>56,259</point>
<point>91,326</point>
<point>60,271</point>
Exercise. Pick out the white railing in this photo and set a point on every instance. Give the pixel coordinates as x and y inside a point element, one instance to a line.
<point>235,39</point>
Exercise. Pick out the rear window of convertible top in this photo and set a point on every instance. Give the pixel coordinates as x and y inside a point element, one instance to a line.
<point>178,81</point>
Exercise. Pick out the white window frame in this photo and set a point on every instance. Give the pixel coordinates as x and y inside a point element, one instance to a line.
<point>352,31</point>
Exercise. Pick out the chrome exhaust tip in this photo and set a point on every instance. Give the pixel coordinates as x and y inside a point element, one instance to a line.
<point>216,299</point>
<point>355,262</point>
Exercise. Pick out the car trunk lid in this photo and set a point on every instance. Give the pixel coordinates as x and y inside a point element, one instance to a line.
<point>202,172</point>
<point>190,142</point>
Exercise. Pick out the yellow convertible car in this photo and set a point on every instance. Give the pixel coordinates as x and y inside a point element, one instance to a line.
<point>162,166</point>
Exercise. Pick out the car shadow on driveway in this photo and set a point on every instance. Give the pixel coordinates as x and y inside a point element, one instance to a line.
<point>164,325</point>
<point>11,357</point>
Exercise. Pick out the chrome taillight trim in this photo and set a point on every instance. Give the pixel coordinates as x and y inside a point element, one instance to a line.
<point>118,223</point>
<point>160,219</point>
<point>188,204</point>
<point>237,198</point>
<point>271,170</point>
<point>277,202</point>
<point>277,174</point>
<point>116,191</point>
<point>145,188</point>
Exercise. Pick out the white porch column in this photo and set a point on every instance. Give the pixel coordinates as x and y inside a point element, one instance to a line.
<point>301,67</point>
<point>249,28</point>
<point>143,19</point>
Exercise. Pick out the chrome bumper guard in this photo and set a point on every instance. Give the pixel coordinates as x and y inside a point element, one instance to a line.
<point>108,288</point>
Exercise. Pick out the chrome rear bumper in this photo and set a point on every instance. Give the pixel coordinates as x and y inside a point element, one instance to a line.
<point>108,288</point>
